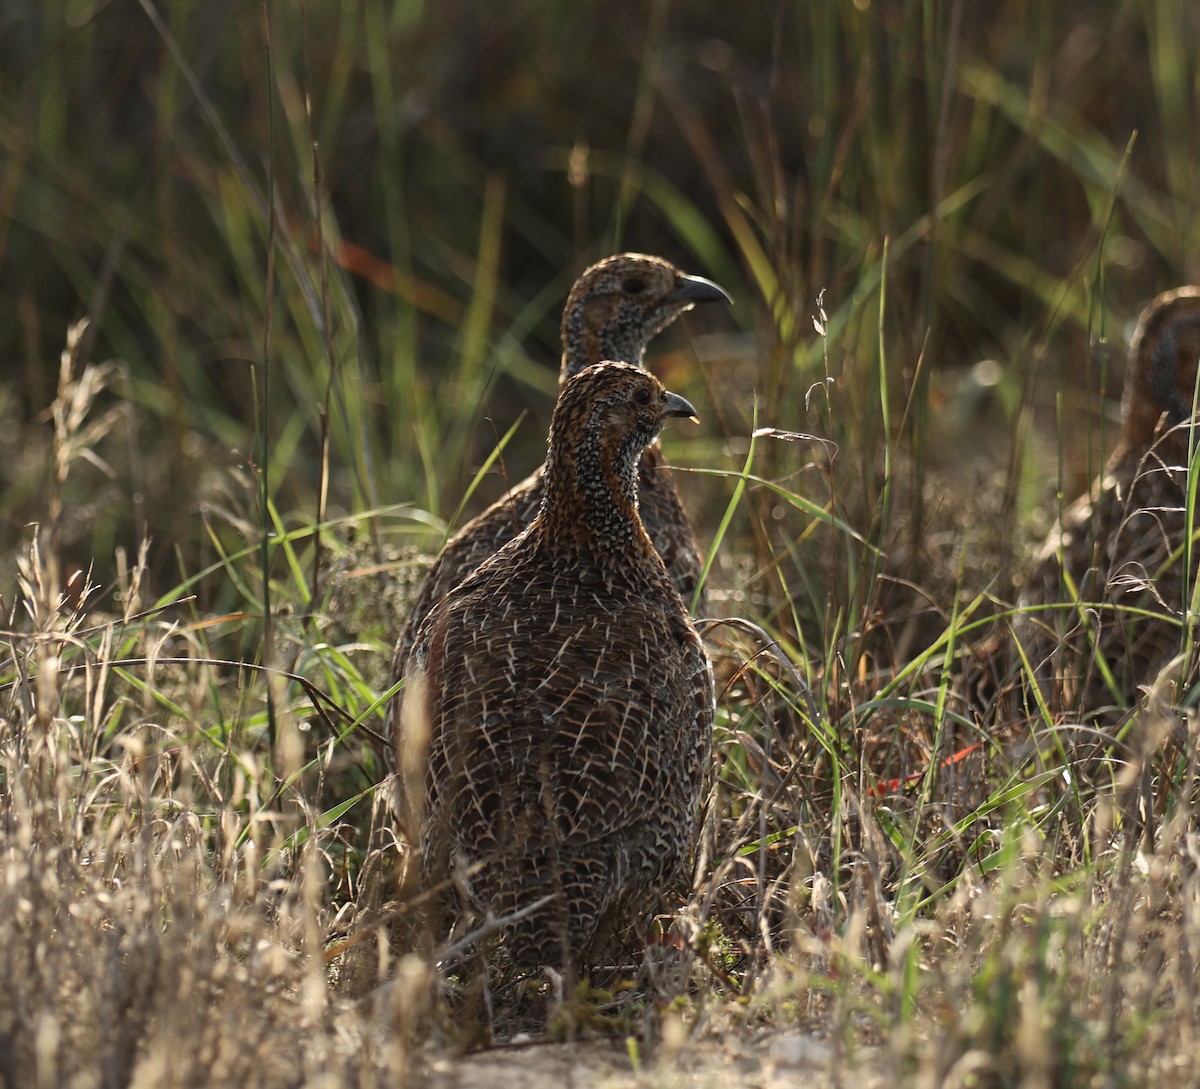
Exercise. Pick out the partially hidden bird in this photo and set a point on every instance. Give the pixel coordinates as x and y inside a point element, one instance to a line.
<point>556,718</point>
<point>613,311</point>
<point>1102,609</point>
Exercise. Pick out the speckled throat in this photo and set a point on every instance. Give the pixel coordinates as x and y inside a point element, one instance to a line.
<point>601,478</point>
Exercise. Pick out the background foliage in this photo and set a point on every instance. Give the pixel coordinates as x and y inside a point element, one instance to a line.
<point>472,160</point>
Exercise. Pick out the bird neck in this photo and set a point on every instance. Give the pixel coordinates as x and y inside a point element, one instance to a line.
<point>591,503</point>
<point>584,345</point>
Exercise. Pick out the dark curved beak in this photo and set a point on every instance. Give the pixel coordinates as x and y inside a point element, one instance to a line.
<point>696,289</point>
<point>674,405</point>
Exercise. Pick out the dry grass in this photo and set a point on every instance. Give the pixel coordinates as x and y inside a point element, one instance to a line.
<point>186,904</point>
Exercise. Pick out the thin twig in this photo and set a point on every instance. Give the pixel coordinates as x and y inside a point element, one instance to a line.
<point>489,927</point>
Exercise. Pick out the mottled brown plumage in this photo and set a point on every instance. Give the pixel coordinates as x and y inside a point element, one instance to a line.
<point>612,312</point>
<point>1121,544</point>
<point>557,711</point>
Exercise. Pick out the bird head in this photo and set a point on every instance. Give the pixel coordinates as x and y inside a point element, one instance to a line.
<point>621,303</point>
<point>622,403</point>
<point>606,415</point>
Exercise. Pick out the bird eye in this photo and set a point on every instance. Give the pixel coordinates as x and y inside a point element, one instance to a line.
<point>633,286</point>
<point>642,397</point>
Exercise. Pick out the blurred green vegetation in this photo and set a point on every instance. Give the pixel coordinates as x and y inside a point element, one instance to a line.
<point>440,173</point>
